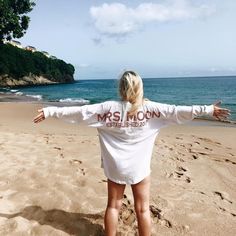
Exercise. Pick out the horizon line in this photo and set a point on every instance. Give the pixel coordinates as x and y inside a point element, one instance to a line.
<point>170,77</point>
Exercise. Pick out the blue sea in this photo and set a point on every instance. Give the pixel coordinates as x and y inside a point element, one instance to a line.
<point>179,91</point>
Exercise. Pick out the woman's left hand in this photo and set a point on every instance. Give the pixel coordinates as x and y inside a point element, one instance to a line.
<point>39,117</point>
<point>220,113</point>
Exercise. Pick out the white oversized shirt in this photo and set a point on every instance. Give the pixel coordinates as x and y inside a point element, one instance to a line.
<point>126,142</point>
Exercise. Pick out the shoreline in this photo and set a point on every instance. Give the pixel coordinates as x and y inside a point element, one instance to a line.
<point>12,97</point>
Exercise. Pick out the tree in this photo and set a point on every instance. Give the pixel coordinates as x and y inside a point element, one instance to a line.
<point>18,63</point>
<point>13,19</point>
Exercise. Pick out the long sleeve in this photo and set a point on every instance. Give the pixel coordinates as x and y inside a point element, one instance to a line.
<point>77,114</point>
<point>182,114</point>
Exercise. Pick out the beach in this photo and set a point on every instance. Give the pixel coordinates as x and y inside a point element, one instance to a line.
<point>51,182</point>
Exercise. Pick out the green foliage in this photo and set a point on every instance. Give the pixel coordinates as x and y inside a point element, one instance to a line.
<point>13,21</point>
<point>18,62</point>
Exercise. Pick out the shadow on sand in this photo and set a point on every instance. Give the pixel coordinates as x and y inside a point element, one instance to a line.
<point>77,224</point>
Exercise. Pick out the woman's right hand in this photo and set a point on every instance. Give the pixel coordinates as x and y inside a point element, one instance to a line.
<point>40,117</point>
<point>220,113</point>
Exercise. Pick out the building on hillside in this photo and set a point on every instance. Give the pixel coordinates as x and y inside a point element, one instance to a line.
<point>45,53</point>
<point>28,48</point>
<point>15,43</point>
<point>31,48</point>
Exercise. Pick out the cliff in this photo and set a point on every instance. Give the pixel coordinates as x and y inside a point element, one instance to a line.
<point>19,67</point>
<point>7,81</point>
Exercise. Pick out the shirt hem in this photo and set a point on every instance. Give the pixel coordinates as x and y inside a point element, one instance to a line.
<point>130,182</point>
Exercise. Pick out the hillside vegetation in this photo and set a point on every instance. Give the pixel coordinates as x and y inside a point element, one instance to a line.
<point>17,63</point>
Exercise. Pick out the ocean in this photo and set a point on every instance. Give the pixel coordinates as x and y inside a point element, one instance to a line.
<point>179,91</point>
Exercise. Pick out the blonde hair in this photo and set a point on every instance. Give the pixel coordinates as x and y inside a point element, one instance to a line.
<point>131,90</point>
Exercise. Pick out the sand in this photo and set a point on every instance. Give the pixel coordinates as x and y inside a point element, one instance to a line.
<point>51,182</point>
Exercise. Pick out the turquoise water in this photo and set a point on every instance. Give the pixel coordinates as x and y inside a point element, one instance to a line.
<point>179,91</point>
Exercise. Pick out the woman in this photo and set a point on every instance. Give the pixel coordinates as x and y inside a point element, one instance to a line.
<point>127,132</point>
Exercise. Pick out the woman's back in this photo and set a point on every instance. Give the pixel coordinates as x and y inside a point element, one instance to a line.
<point>127,141</point>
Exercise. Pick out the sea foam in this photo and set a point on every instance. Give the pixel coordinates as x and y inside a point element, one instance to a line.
<point>39,97</point>
<point>70,100</point>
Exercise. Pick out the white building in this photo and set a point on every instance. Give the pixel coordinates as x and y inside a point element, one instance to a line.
<point>31,48</point>
<point>45,53</point>
<point>15,43</point>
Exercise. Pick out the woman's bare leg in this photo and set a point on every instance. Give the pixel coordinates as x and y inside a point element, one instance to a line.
<point>141,192</point>
<point>115,195</point>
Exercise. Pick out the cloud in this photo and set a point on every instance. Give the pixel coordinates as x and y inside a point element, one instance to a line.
<point>117,20</point>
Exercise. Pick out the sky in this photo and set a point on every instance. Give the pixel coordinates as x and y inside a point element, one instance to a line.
<point>168,38</point>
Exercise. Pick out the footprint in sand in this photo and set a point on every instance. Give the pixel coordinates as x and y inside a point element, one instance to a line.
<point>76,162</point>
<point>178,138</point>
<point>180,168</point>
<point>196,153</point>
<point>188,180</point>
<point>181,171</point>
<point>225,211</point>
<point>221,196</point>
<point>82,171</point>
<point>158,218</point>
<point>195,156</point>
<point>232,162</point>
<point>222,209</point>
<point>202,192</point>
<point>179,159</point>
<point>180,175</point>
<point>61,153</point>
<point>156,212</point>
<point>199,151</point>
<point>127,214</point>
<point>207,140</point>
<point>213,157</point>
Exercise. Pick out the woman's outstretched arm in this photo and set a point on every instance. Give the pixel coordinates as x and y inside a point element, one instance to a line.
<point>70,114</point>
<point>73,114</point>
<point>182,114</point>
